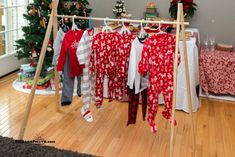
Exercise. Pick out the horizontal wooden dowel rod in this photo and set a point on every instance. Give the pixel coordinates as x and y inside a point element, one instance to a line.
<point>120,20</point>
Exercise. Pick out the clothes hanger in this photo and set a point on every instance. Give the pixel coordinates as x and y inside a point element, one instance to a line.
<point>90,29</point>
<point>64,27</point>
<point>124,29</point>
<point>160,30</point>
<point>142,33</point>
<point>89,24</point>
<point>106,28</point>
<point>74,26</point>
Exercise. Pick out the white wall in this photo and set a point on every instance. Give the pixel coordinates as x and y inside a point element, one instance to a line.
<point>221,12</point>
<point>216,17</point>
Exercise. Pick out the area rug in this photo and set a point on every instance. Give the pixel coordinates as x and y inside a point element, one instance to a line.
<point>12,148</point>
<point>19,87</point>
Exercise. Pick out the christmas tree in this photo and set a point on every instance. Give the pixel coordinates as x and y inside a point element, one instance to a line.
<point>120,11</point>
<point>30,46</point>
<point>119,8</point>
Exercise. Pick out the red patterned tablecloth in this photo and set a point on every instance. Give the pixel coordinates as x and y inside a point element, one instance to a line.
<point>217,72</point>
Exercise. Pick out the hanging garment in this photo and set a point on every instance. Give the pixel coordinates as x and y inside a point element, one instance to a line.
<point>57,45</point>
<point>68,63</point>
<point>134,103</point>
<point>68,84</point>
<point>83,55</point>
<point>69,45</point>
<point>136,83</point>
<point>123,56</point>
<point>103,58</point>
<point>134,78</point>
<point>158,60</point>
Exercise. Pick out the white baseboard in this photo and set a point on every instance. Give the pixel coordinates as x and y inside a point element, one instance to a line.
<point>211,96</point>
<point>9,63</point>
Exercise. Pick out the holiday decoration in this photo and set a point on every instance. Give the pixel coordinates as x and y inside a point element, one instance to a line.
<point>27,68</point>
<point>43,22</point>
<point>189,8</point>
<point>151,11</point>
<point>78,6</point>
<point>49,46</point>
<point>120,10</point>
<point>32,10</point>
<point>29,47</point>
<point>34,54</point>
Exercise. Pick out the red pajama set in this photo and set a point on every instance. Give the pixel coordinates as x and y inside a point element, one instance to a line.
<point>158,60</point>
<point>122,62</point>
<point>102,62</point>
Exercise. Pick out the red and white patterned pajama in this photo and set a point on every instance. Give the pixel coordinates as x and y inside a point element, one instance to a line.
<point>123,57</point>
<point>102,62</point>
<point>158,60</point>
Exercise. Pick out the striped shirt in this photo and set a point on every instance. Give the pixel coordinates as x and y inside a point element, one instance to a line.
<point>83,55</point>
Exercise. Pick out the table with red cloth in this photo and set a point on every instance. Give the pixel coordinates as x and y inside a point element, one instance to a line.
<point>217,72</point>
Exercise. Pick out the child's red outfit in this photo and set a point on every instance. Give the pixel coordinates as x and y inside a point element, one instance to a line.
<point>123,57</point>
<point>102,62</point>
<point>69,45</point>
<point>158,60</point>
<point>68,63</point>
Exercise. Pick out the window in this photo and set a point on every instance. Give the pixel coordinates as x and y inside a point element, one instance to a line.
<point>11,22</point>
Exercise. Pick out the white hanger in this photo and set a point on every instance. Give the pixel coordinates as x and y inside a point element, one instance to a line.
<point>142,31</point>
<point>63,26</point>
<point>62,20</point>
<point>74,26</point>
<point>160,30</point>
<point>106,28</point>
<point>124,28</point>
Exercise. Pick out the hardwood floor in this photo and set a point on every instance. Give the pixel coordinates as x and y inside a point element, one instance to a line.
<point>109,136</point>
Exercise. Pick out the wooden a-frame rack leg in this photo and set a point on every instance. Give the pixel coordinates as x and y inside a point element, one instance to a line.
<point>180,28</point>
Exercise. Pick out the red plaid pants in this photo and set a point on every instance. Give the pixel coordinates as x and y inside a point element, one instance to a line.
<point>133,105</point>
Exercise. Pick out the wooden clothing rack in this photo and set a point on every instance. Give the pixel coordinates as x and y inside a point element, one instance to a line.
<point>53,23</point>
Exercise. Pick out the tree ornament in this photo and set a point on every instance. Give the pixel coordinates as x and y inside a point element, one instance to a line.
<point>32,11</point>
<point>39,11</point>
<point>43,22</point>
<point>78,6</point>
<point>49,49</point>
<point>49,46</point>
<point>34,53</point>
<point>43,3</point>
